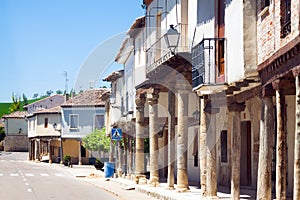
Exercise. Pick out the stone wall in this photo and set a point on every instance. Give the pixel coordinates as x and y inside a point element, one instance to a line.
<point>16,143</point>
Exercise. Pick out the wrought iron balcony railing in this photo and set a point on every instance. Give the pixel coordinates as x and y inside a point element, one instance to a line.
<point>208,62</point>
<point>158,51</point>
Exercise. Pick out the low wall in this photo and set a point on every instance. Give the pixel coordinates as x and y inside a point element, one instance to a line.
<point>16,143</point>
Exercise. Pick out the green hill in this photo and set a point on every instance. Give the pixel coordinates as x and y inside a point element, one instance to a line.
<point>4,107</point>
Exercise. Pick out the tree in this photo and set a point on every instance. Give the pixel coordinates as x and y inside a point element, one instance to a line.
<point>59,92</point>
<point>49,92</point>
<point>2,134</point>
<point>16,103</point>
<point>97,141</point>
<point>25,99</point>
<point>35,95</point>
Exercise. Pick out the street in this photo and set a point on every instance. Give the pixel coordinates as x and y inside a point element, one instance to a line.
<point>27,180</point>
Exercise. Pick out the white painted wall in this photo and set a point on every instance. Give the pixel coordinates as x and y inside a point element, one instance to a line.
<point>13,126</point>
<point>234,36</point>
<point>46,103</point>
<point>49,131</point>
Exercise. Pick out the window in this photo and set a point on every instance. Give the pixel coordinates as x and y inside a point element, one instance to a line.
<point>285,20</point>
<point>46,123</point>
<point>224,146</point>
<point>99,121</point>
<point>74,121</point>
<point>263,4</point>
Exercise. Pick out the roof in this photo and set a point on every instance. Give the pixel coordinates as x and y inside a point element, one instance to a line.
<point>54,110</point>
<point>43,100</point>
<point>136,25</point>
<point>91,97</point>
<point>114,76</point>
<point>17,114</point>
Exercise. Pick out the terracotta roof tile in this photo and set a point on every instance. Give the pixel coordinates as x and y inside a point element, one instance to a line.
<point>17,114</point>
<point>91,97</point>
<point>53,110</point>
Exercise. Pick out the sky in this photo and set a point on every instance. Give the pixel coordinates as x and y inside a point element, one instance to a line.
<point>42,41</point>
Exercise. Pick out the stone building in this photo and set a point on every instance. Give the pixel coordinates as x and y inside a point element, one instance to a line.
<point>278,58</point>
<point>16,131</point>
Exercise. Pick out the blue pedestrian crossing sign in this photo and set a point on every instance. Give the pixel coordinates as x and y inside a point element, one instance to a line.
<point>116,134</point>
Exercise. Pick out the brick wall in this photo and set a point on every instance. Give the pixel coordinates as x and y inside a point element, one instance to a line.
<point>269,28</point>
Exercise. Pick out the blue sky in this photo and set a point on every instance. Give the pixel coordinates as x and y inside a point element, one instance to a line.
<point>40,40</point>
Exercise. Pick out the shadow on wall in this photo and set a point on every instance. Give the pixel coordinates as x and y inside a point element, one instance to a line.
<point>206,9</point>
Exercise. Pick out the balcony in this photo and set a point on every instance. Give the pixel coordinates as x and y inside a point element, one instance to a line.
<point>208,61</point>
<point>158,52</point>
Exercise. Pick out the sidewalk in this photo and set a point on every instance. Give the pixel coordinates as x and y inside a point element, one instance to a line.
<point>127,189</point>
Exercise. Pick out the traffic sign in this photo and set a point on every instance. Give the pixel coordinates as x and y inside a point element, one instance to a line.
<point>116,134</point>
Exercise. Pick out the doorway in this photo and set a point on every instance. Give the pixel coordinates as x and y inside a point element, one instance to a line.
<point>245,163</point>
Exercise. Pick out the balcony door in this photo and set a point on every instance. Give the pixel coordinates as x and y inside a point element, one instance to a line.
<point>220,45</point>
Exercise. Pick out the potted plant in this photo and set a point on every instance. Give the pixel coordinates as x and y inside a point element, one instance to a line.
<point>67,160</point>
<point>99,165</point>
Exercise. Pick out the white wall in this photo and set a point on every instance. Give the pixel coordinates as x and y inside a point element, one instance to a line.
<point>49,131</point>
<point>13,126</point>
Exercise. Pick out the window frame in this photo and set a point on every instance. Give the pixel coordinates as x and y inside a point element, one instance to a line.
<point>73,115</point>
<point>95,117</point>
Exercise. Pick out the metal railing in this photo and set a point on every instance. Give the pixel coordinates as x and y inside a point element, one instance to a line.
<point>158,51</point>
<point>205,61</point>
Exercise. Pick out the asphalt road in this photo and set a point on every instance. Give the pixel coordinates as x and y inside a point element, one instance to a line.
<point>26,180</point>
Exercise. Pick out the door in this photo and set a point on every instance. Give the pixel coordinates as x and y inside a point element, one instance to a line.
<point>220,43</point>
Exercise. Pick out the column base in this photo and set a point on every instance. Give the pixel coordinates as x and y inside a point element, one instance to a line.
<point>182,189</point>
<point>140,179</point>
<point>153,182</point>
<point>170,188</point>
<point>119,172</point>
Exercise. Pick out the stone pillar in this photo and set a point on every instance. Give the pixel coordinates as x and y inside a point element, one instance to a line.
<point>49,151</point>
<point>236,110</point>
<point>203,147</point>
<point>79,156</point>
<point>153,139</point>
<point>296,192</point>
<point>36,154</point>
<point>171,139</point>
<point>211,141</point>
<point>139,150</point>
<point>281,147</point>
<point>264,182</point>
<point>119,154</point>
<point>182,177</point>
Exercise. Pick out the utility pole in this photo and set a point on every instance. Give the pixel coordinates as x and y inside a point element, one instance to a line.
<point>66,84</point>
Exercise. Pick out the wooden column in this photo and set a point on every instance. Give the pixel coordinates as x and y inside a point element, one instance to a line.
<point>139,158</point>
<point>61,151</point>
<point>236,110</point>
<point>203,147</point>
<point>281,147</point>
<point>211,141</point>
<point>296,192</point>
<point>49,151</point>
<point>182,177</point>
<point>171,139</point>
<point>79,155</point>
<point>152,98</point>
<point>264,182</point>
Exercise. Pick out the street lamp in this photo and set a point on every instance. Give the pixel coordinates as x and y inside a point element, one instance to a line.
<point>172,38</point>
